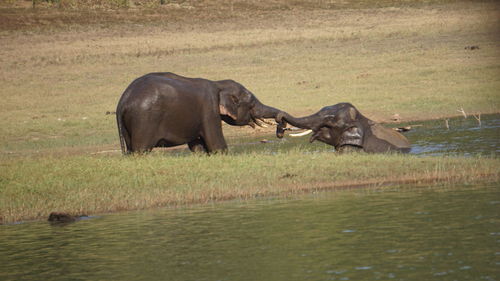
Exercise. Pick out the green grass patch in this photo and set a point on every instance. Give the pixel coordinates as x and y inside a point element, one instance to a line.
<point>61,84</point>
<point>32,188</point>
<point>62,69</point>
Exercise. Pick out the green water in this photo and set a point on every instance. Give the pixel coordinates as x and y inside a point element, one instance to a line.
<point>462,137</point>
<point>445,233</point>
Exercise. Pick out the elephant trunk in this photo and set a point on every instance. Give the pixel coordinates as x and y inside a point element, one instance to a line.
<point>307,122</point>
<point>262,111</point>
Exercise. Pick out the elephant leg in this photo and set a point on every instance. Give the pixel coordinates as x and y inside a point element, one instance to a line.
<point>141,147</point>
<point>142,141</point>
<point>198,145</point>
<point>213,136</point>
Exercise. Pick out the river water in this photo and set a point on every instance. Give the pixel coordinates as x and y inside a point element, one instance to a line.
<point>446,233</point>
<point>402,233</point>
<point>462,137</point>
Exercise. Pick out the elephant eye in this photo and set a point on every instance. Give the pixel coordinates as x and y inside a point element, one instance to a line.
<point>235,100</point>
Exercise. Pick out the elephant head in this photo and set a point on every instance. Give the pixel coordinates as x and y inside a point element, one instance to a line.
<point>238,106</point>
<point>342,125</point>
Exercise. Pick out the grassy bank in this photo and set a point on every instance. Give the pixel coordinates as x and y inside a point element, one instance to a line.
<point>62,69</point>
<point>58,83</point>
<point>32,188</point>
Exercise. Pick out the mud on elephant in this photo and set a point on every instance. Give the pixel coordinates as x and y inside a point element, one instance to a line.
<point>166,109</point>
<point>344,127</point>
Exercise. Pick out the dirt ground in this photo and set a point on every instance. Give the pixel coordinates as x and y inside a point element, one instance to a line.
<point>63,65</point>
<point>176,14</point>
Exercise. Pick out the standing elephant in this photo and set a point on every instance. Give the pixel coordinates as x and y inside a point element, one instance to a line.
<point>165,109</point>
<point>344,127</point>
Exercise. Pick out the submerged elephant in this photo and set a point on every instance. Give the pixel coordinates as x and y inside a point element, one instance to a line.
<point>344,127</point>
<point>165,109</point>
<point>64,218</point>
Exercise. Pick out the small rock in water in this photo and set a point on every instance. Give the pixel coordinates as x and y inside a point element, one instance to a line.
<point>57,217</point>
<point>402,129</point>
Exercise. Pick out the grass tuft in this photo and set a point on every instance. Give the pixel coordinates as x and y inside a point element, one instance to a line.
<point>63,67</point>
<point>101,184</point>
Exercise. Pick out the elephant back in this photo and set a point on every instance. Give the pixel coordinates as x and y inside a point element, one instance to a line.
<point>391,137</point>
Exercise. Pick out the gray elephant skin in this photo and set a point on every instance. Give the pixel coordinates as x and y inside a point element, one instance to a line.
<point>165,109</point>
<point>344,127</point>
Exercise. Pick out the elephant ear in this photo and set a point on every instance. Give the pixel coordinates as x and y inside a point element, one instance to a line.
<point>325,134</point>
<point>228,104</point>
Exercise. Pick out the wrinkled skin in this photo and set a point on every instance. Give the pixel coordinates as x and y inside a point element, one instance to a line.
<point>344,127</point>
<point>165,109</point>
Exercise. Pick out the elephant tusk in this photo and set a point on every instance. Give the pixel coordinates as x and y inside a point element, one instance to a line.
<point>307,132</point>
<point>268,122</point>
<point>260,123</point>
<point>294,129</point>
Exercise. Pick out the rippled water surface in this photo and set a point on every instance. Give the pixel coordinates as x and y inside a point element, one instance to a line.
<point>462,137</point>
<point>398,234</point>
<point>404,233</point>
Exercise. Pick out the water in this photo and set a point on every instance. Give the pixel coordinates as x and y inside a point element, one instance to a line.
<point>365,234</point>
<point>399,234</point>
<point>464,137</point>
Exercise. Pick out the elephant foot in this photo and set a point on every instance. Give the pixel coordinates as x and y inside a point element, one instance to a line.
<point>198,146</point>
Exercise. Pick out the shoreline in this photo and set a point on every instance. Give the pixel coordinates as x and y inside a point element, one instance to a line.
<point>62,74</point>
<point>301,190</point>
<point>231,133</point>
<point>98,185</point>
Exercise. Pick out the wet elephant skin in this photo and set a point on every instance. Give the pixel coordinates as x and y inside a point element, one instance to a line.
<point>344,127</point>
<point>165,109</point>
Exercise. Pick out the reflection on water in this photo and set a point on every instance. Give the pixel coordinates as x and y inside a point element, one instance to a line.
<point>400,234</point>
<point>464,137</point>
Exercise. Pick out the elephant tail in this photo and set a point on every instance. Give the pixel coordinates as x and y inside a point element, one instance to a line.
<point>122,133</point>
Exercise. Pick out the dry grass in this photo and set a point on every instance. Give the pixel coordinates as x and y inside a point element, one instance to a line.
<point>92,185</point>
<point>59,14</point>
<point>58,84</point>
<point>61,70</point>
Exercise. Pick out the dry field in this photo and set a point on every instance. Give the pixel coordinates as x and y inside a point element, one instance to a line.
<point>32,188</point>
<point>60,75</point>
<point>64,66</point>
